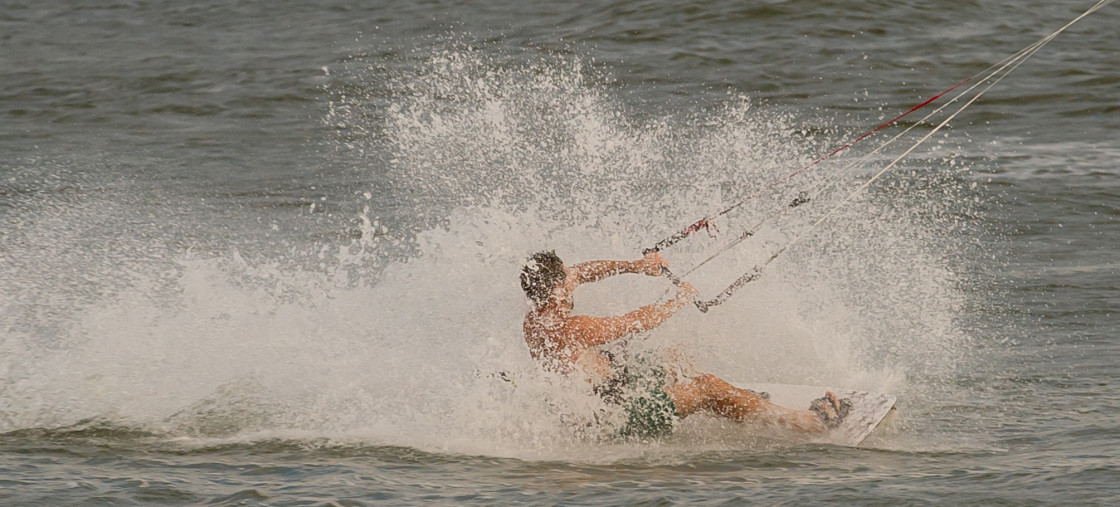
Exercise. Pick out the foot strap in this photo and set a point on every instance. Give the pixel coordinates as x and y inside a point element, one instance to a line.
<point>831,410</point>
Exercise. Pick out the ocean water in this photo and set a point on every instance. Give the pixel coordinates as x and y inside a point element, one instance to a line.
<point>266,253</point>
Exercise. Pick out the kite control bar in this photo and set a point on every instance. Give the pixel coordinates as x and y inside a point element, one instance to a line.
<point>703,306</point>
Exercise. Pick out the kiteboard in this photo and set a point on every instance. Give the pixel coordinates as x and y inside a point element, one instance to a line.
<point>868,409</point>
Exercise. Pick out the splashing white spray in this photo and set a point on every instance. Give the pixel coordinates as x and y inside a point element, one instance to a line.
<point>491,159</point>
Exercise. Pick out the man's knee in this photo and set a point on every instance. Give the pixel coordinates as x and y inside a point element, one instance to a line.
<point>719,390</point>
<point>712,382</point>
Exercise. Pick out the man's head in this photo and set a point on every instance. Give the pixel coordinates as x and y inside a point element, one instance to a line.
<point>540,275</point>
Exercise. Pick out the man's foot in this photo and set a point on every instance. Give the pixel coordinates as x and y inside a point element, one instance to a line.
<point>831,409</point>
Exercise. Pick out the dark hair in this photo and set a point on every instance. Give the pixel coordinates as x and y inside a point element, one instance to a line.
<point>540,275</point>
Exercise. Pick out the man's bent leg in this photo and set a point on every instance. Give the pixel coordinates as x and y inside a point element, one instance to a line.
<point>715,395</point>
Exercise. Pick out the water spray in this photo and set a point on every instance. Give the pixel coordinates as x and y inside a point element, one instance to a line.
<point>991,76</point>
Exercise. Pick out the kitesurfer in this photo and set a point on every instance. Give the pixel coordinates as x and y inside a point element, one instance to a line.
<point>652,394</point>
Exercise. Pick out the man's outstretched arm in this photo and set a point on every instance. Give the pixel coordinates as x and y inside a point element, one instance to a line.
<point>593,271</point>
<point>595,331</point>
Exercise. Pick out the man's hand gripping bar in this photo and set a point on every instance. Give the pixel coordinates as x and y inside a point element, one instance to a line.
<point>701,305</point>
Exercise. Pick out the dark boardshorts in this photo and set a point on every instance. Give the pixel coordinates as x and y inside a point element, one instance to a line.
<point>639,387</point>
